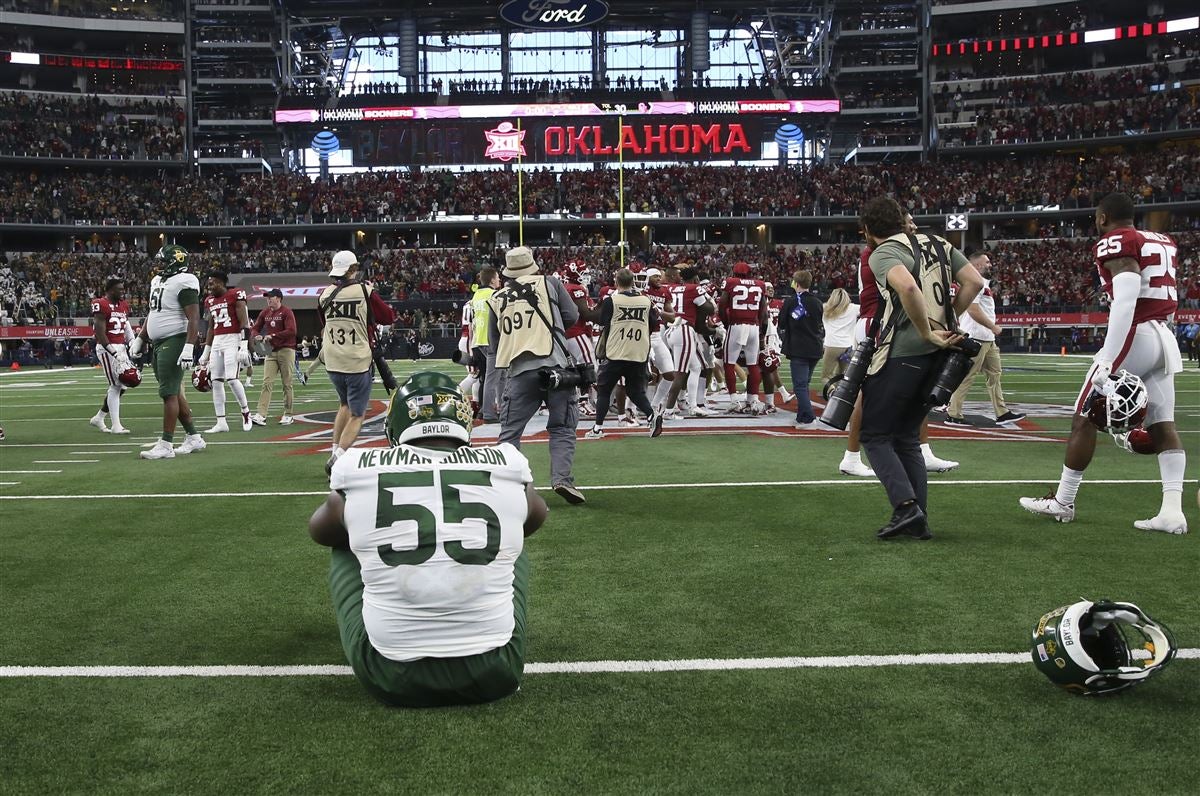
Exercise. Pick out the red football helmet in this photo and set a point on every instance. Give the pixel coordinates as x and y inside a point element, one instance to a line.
<point>741,269</point>
<point>201,380</point>
<point>1122,406</point>
<point>130,377</point>
<point>1137,440</point>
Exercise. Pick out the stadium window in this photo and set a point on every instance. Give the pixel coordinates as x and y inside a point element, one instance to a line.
<point>551,55</point>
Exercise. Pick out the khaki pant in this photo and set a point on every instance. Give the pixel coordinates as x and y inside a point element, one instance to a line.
<point>281,362</point>
<point>830,366</point>
<point>989,362</point>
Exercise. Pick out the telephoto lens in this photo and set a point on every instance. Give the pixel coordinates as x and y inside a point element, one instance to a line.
<point>953,371</point>
<point>841,402</point>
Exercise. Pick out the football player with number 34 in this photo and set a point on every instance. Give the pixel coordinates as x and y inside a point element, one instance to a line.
<point>227,347</point>
<point>1137,269</point>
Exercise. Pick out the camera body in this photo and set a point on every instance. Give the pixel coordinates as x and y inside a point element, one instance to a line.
<point>841,403</point>
<point>952,372</point>
<point>569,378</point>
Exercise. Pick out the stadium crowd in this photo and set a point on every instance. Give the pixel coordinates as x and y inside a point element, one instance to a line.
<point>948,185</point>
<point>1028,275</point>
<point>1142,114</point>
<point>90,127</point>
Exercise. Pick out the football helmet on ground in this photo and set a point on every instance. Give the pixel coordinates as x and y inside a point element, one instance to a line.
<point>1121,406</point>
<point>1101,647</point>
<point>429,405</point>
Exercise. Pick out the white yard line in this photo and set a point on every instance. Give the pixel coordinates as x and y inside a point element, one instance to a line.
<point>20,472</point>
<point>99,453</point>
<point>10,483</point>
<point>65,461</point>
<point>601,488</point>
<point>566,667</point>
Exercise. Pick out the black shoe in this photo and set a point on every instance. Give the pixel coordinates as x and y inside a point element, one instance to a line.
<point>951,420</point>
<point>656,421</point>
<point>569,493</point>
<point>906,521</point>
<point>920,532</point>
<point>1010,417</point>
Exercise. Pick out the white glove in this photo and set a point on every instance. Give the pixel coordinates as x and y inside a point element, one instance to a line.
<point>137,347</point>
<point>243,355</point>
<point>204,355</point>
<point>1102,378</point>
<point>186,356</point>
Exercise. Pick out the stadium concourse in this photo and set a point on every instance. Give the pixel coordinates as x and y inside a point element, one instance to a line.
<point>715,614</point>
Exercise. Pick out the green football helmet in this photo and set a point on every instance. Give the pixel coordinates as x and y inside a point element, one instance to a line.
<point>1100,648</point>
<point>429,405</point>
<point>172,259</point>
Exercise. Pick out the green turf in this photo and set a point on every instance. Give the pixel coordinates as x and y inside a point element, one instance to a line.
<point>674,573</point>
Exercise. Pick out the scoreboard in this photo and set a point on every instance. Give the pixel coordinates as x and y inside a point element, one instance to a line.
<point>558,133</point>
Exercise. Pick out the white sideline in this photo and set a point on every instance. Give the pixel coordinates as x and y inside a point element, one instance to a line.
<point>846,481</point>
<point>563,667</point>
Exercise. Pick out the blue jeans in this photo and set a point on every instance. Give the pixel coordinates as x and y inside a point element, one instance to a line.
<point>802,370</point>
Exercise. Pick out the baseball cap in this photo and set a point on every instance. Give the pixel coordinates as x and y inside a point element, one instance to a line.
<point>342,262</point>
<point>273,293</point>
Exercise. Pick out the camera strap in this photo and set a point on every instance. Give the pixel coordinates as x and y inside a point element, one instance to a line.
<point>558,337</point>
<point>324,305</point>
<point>944,269</point>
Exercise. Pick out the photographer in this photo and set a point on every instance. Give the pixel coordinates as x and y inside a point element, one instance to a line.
<point>526,333</point>
<point>626,317</point>
<point>916,326</point>
<point>349,311</point>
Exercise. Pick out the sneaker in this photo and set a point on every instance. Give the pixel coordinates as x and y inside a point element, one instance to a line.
<point>1049,506</point>
<point>595,432</point>
<point>249,383</point>
<point>286,420</point>
<point>98,421</point>
<point>856,468</point>
<point>1167,523</point>
<point>906,521</point>
<point>303,378</point>
<point>700,411</point>
<point>655,422</point>
<point>670,414</point>
<point>769,410</point>
<point>810,425</point>
<point>247,423</point>
<point>220,427</point>
<point>935,465</point>
<point>258,419</point>
<point>1010,417</point>
<point>951,420</point>
<point>192,443</point>
<point>628,422</point>
<point>569,493</point>
<point>784,395</point>
<point>161,450</point>
<point>119,430</point>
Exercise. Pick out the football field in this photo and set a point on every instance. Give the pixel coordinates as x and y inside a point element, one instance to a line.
<point>718,617</point>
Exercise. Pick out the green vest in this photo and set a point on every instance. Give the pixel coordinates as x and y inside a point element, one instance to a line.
<point>480,314</point>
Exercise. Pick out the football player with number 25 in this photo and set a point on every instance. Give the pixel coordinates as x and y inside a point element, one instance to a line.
<point>1137,269</point>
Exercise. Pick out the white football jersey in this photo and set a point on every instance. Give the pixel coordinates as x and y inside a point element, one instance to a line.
<point>437,535</point>
<point>166,316</point>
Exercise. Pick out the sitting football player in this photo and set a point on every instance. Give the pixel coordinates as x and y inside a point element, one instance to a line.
<point>428,573</point>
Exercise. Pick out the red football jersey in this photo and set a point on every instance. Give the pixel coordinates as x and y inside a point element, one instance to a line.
<point>577,292</point>
<point>773,308</point>
<point>686,300</point>
<point>868,288</point>
<point>1155,253</point>
<point>746,297</point>
<point>116,318</point>
<point>223,311</point>
<point>659,297</point>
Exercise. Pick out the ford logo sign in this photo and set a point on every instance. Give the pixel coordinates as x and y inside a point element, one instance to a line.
<point>553,14</point>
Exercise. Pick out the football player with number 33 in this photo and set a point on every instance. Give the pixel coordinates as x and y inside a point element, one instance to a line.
<point>1137,269</point>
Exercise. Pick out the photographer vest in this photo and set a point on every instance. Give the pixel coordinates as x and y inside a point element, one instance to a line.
<point>344,341</point>
<point>479,320</point>
<point>627,336</point>
<point>522,330</point>
<point>930,267</point>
